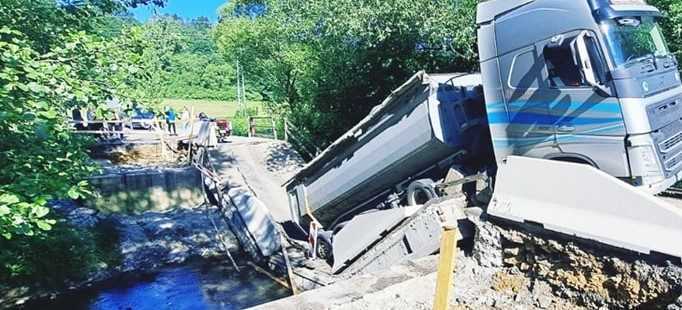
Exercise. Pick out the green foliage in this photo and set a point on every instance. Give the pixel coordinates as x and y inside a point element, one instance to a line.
<point>41,158</point>
<point>213,108</point>
<point>63,254</point>
<point>672,23</point>
<point>183,63</point>
<point>56,56</point>
<point>326,64</point>
<point>199,76</point>
<point>51,61</point>
<point>240,126</point>
<point>240,121</point>
<point>113,26</point>
<point>47,22</point>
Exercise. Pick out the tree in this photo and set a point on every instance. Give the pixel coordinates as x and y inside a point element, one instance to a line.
<point>183,62</point>
<point>45,22</point>
<point>52,61</point>
<point>113,26</point>
<point>329,63</point>
<point>671,23</point>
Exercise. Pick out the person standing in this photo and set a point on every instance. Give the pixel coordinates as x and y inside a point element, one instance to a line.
<point>171,117</point>
<point>186,119</point>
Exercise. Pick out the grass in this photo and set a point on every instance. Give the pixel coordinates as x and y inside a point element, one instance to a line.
<point>212,108</point>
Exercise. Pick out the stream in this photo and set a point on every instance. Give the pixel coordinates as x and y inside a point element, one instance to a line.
<point>193,286</point>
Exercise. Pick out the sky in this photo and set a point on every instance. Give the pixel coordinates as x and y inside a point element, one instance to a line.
<point>187,9</point>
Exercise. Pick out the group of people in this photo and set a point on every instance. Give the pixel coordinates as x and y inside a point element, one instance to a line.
<point>171,117</point>
<point>86,119</point>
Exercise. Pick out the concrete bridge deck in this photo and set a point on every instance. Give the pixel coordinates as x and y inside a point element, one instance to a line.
<point>263,165</point>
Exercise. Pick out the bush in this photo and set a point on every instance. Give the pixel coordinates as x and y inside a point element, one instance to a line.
<point>240,126</point>
<point>64,253</point>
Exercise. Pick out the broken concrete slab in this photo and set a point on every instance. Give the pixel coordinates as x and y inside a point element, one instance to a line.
<point>253,224</point>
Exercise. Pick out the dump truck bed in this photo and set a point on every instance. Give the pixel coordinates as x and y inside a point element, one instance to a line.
<point>423,122</point>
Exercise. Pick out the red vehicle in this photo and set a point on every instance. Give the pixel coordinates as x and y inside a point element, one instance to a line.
<point>224,129</point>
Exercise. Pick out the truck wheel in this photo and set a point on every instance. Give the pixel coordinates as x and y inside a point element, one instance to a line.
<point>420,192</point>
<point>324,249</point>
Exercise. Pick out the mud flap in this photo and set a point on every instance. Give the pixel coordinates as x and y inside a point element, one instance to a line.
<point>583,201</point>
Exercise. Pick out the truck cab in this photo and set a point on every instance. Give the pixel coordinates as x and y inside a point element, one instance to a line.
<point>587,81</point>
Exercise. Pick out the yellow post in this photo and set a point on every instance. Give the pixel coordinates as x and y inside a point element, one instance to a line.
<point>446,267</point>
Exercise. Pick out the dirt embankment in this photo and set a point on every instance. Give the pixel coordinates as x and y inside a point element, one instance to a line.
<point>582,272</point>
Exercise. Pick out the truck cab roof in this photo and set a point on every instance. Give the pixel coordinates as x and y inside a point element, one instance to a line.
<point>489,10</point>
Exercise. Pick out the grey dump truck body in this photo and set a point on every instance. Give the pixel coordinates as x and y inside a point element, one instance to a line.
<point>581,81</point>
<point>425,122</point>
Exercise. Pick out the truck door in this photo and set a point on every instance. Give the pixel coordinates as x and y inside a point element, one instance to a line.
<point>588,123</point>
<point>529,131</point>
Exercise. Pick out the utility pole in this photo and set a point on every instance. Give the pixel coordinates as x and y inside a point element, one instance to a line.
<point>241,89</point>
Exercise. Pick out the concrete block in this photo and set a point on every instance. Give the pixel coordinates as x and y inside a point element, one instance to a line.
<point>258,221</point>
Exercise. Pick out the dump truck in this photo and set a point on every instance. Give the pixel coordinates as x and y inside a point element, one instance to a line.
<point>574,122</point>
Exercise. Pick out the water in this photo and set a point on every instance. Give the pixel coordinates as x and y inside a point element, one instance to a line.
<point>195,286</point>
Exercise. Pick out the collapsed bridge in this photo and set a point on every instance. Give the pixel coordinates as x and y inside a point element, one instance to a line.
<point>524,209</point>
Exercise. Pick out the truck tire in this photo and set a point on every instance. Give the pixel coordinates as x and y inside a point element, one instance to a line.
<point>324,248</point>
<point>421,191</point>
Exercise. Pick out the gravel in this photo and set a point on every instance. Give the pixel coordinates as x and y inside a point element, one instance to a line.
<point>510,268</point>
<point>153,239</point>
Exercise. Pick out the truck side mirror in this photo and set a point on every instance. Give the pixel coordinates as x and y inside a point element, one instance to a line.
<point>581,57</point>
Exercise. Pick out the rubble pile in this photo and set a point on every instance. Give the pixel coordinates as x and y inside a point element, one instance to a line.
<point>145,155</point>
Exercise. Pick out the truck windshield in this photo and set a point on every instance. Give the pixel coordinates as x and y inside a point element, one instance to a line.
<point>631,39</point>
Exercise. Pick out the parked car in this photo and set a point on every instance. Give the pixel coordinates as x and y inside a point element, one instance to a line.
<point>224,129</point>
<point>142,119</point>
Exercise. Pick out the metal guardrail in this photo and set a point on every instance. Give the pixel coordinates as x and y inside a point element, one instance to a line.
<point>109,126</point>
<point>217,193</point>
<point>125,127</point>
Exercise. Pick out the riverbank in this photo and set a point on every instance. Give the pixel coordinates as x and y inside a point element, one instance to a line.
<point>146,239</point>
<point>144,244</point>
